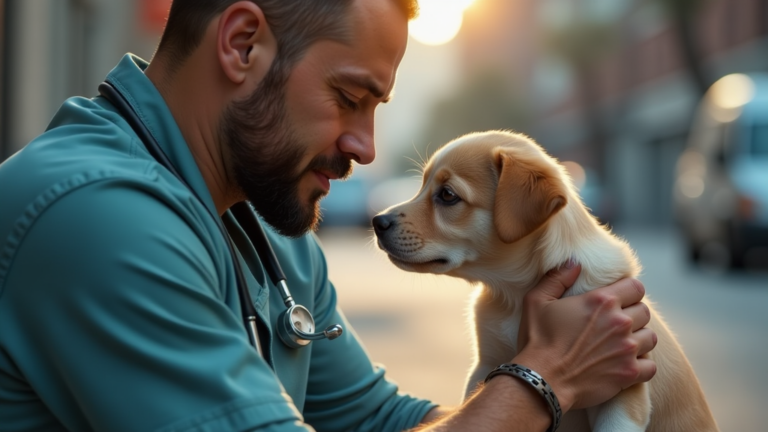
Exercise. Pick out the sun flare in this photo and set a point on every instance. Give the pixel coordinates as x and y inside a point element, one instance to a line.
<point>439,21</point>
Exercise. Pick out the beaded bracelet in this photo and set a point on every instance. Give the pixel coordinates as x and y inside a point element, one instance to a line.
<point>538,383</point>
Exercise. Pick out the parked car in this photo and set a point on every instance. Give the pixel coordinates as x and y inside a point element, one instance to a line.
<point>392,191</point>
<point>721,187</point>
<point>346,204</point>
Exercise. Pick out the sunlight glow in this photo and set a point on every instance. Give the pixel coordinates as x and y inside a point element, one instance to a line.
<point>728,95</point>
<point>439,21</point>
<point>732,91</point>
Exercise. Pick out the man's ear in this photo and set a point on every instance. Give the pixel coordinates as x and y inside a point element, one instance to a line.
<point>527,196</point>
<point>244,42</point>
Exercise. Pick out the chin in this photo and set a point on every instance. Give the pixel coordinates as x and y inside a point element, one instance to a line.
<point>435,266</point>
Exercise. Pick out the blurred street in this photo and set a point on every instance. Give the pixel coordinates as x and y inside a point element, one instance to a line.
<point>415,324</point>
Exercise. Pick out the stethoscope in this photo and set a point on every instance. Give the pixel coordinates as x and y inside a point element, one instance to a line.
<point>295,326</point>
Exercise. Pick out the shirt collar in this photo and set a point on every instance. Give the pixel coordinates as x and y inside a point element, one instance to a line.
<point>146,101</point>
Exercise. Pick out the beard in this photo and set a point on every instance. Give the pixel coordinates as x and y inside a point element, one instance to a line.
<point>264,151</point>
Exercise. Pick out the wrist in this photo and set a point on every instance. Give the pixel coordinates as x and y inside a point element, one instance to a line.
<point>535,382</point>
<point>505,389</point>
<point>501,403</point>
<point>555,376</point>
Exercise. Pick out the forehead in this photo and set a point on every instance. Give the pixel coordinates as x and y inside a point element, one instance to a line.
<point>471,156</point>
<point>378,37</point>
<point>467,159</point>
<point>380,24</point>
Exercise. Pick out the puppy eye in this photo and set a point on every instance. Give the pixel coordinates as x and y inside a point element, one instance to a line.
<point>446,196</point>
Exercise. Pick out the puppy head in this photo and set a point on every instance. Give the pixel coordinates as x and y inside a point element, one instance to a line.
<point>480,194</point>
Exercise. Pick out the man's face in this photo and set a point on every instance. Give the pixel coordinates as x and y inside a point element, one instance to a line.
<point>295,133</point>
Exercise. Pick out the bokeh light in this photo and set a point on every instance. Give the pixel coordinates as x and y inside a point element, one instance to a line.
<point>439,21</point>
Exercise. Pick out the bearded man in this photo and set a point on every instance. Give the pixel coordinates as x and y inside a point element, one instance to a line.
<point>119,306</point>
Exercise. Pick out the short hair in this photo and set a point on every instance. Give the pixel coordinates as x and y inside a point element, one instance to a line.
<point>296,24</point>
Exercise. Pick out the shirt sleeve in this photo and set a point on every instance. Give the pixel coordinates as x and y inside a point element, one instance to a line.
<point>121,321</point>
<point>346,391</point>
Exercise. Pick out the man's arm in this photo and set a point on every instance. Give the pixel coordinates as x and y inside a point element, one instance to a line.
<point>502,404</point>
<point>587,347</point>
<point>120,322</point>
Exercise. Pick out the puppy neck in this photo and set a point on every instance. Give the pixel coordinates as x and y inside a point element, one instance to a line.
<point>575,234</point>
<point>508,271</point>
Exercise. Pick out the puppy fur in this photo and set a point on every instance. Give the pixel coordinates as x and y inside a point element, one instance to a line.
<point>496,210</point>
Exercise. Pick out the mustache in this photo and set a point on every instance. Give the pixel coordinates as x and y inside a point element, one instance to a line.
<point>339,165</point>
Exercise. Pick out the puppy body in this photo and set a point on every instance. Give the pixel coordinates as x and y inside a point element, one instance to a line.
<point>496,210</point>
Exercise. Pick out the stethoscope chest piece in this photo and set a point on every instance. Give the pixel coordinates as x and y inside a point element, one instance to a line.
<point>296,327</point>
<point>294,320</point>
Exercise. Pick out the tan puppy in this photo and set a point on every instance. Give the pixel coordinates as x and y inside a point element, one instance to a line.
<point>496,210</point>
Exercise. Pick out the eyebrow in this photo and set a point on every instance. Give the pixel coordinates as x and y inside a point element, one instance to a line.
<point>366,82</point>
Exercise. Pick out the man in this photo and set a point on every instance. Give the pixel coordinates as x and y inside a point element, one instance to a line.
<point>118,294</point>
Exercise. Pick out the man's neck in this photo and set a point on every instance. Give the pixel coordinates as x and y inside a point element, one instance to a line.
<point>191,96</point>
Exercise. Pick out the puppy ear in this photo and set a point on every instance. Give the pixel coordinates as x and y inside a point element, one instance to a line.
<point>527,196</point>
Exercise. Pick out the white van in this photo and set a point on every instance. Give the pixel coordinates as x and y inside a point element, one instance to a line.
<point>721,188</point>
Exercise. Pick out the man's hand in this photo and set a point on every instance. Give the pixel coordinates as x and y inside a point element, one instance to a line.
<point>587,347</point>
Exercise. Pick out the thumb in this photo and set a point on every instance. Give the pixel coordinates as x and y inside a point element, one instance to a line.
<point>555,282</point>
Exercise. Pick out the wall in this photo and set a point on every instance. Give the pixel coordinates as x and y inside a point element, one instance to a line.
<point>56,49</point>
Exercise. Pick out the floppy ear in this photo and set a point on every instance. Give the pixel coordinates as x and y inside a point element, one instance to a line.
<point>527,196</point>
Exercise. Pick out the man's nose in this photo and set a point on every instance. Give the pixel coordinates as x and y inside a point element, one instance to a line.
<point>358,144</point>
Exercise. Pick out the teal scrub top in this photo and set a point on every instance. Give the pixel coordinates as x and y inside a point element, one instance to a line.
<point>118,295</point>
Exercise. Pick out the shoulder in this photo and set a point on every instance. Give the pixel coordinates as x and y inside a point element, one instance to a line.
<point>83,180</point>
<point>98,227</point>
<point>94,226</point>
<point>82,144</point>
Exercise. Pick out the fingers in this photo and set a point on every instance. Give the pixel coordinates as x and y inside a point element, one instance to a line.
<point>646,369</point>
<point>646,341</point>
<point>640,315</point>
<point>556,282</point>
<point>628,291</point>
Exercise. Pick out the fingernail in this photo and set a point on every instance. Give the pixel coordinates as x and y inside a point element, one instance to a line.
<point>571,263</point>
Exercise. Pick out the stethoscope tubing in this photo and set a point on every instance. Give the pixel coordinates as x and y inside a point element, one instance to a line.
<point>247,219</point>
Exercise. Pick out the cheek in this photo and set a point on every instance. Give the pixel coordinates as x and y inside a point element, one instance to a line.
<point>458,216</point>
<point>469,224</point>
<point>313,113</point>
<point>438,223</point>
<point>314,137</point>
<point>311,127</point>
<point>319,138</point>
<point>314,117</point>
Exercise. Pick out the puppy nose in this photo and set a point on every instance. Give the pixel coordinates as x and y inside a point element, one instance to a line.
<point>383,222</point>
